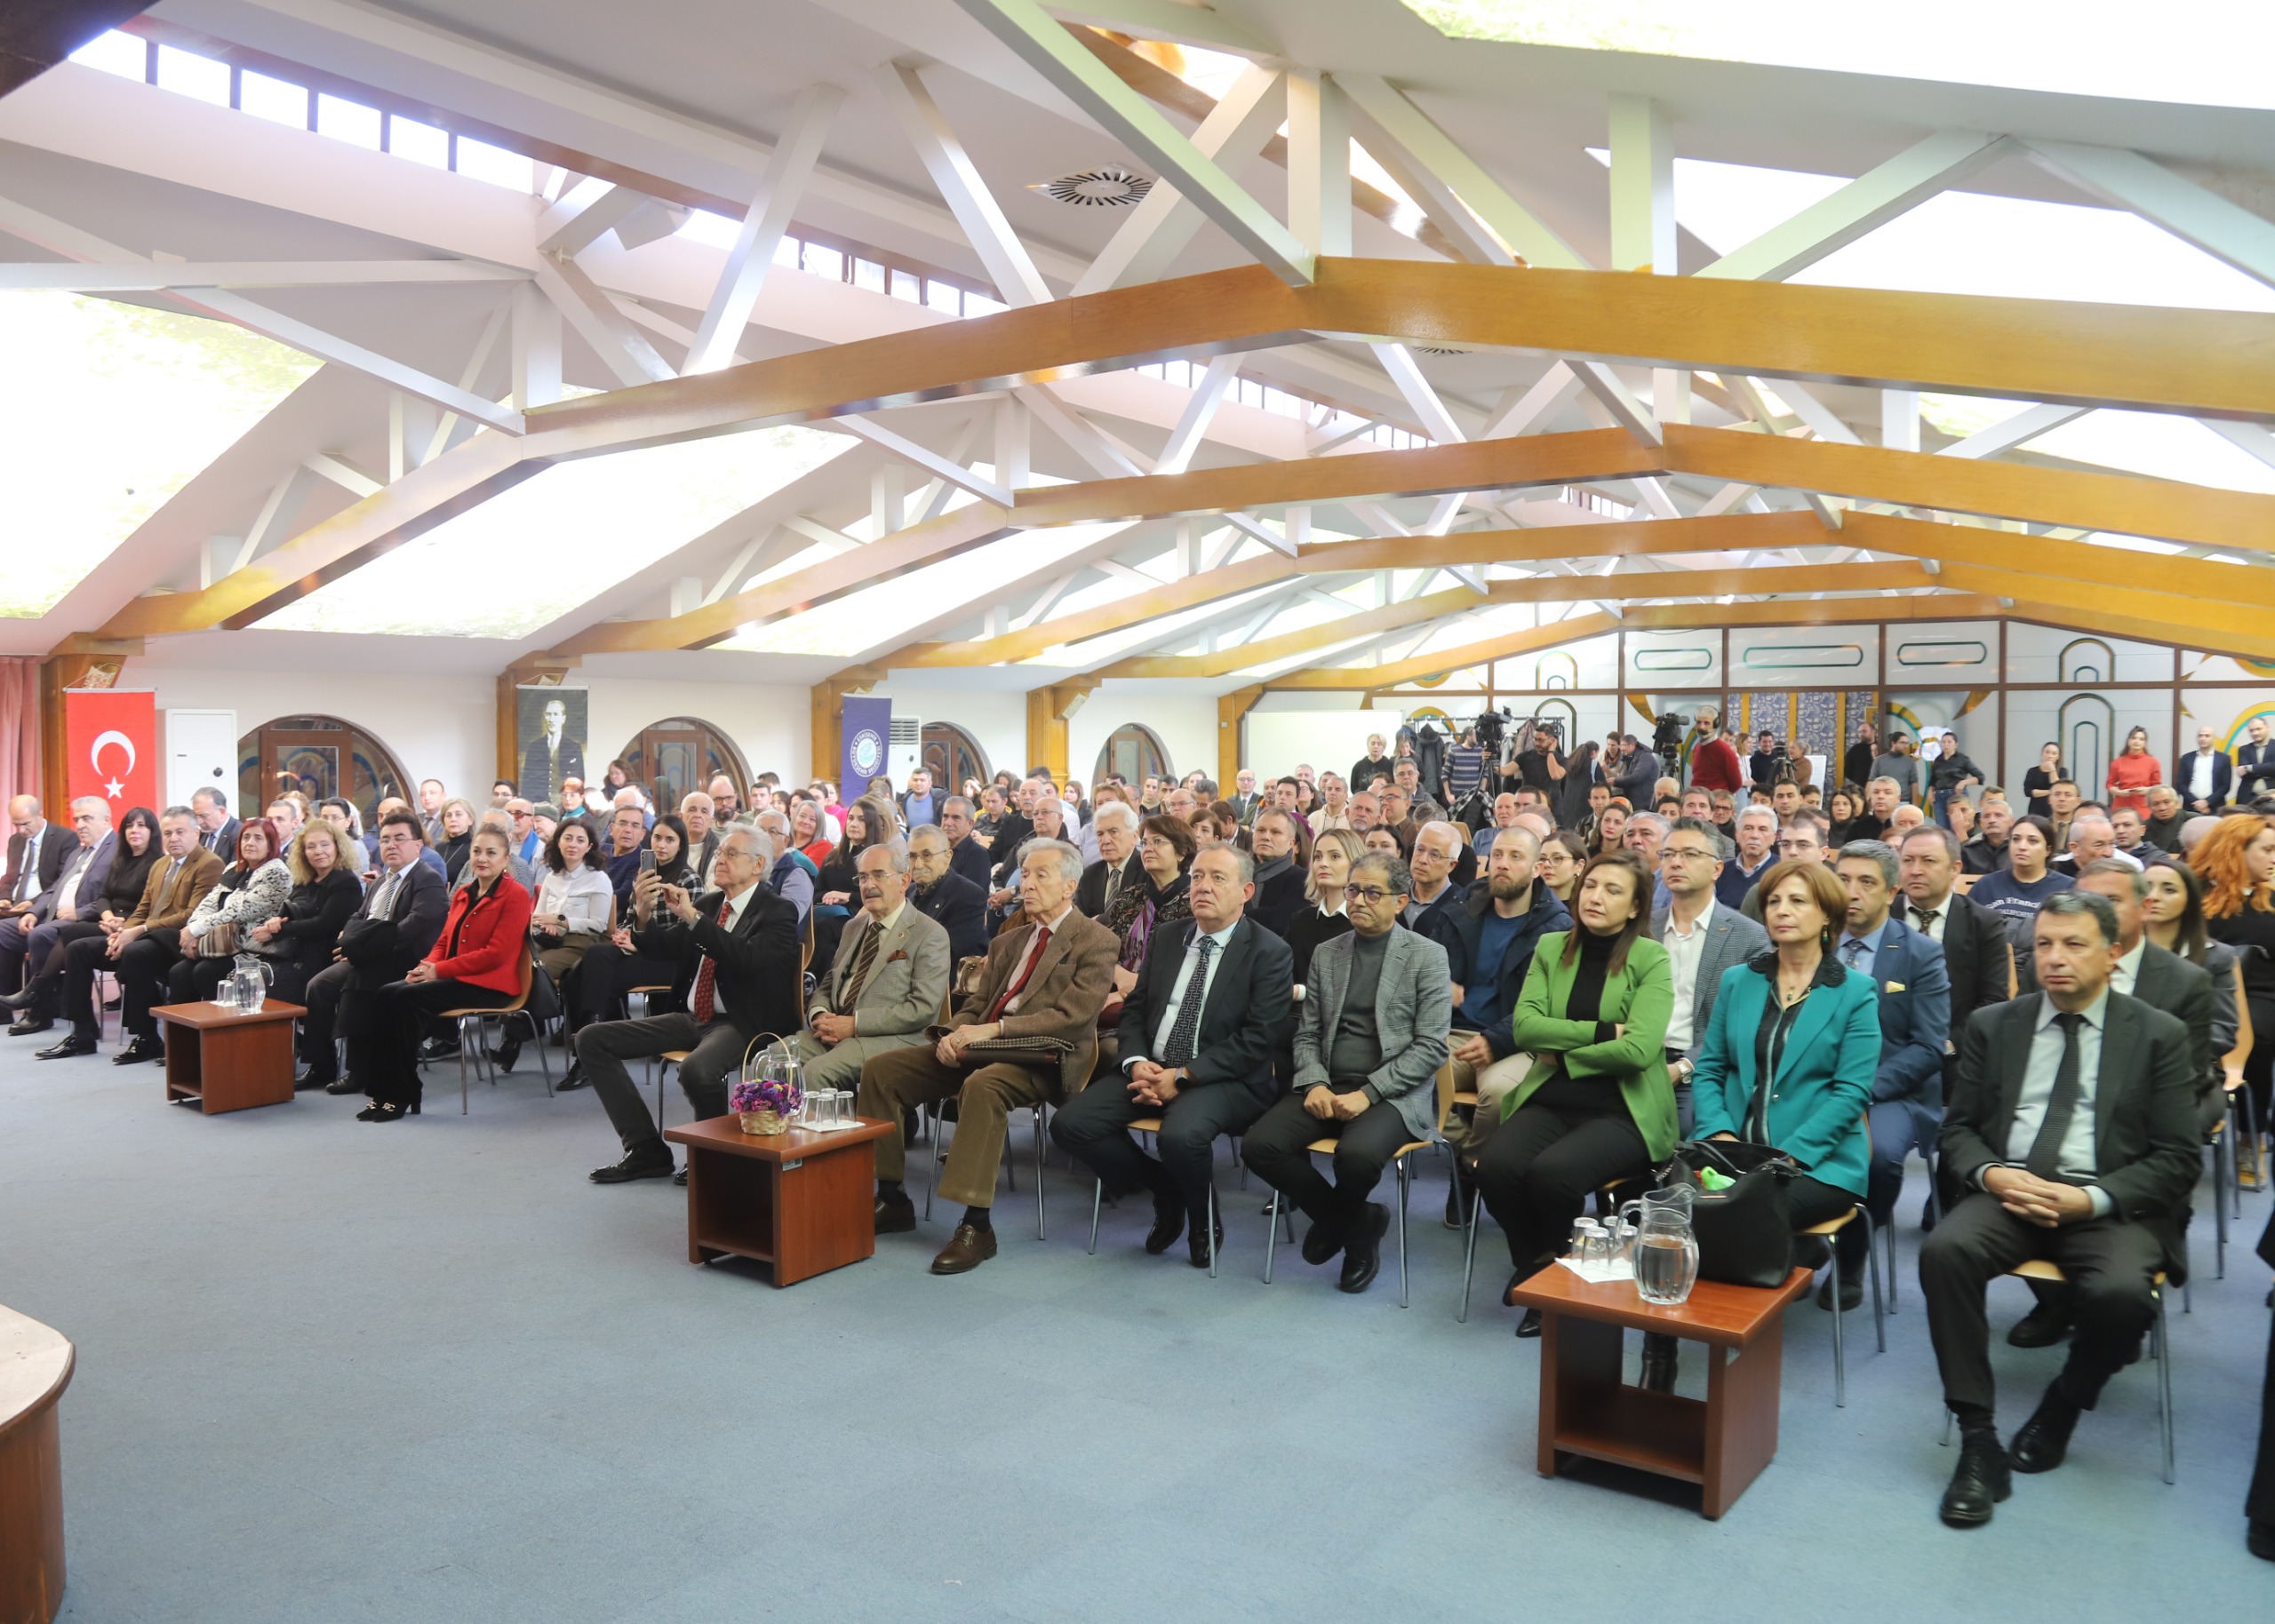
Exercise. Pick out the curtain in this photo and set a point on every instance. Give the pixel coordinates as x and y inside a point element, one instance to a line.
<point>19,726</point>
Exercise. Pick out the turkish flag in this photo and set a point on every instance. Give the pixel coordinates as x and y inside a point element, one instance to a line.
<point>113,740</point>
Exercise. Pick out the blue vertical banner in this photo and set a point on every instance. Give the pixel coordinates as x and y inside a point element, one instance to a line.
<point>863,729</point>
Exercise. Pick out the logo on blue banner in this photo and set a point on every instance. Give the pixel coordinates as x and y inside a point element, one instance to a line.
<point>865,727</point>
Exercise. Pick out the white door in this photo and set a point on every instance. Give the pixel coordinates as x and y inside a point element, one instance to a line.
<point>201,753</point>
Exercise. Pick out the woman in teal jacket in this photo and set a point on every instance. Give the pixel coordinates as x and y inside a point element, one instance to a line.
<point>1789,1056</point>
<point>1597,1105</point>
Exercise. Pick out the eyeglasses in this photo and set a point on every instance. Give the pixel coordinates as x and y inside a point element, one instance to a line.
<point>1370,895</point>
<point>1688,852</point>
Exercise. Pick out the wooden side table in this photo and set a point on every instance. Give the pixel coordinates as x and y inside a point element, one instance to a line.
<point>35,1368</point>
<point>1586,1410</point>
<point>227,1060</point>
<point>800,1203</point>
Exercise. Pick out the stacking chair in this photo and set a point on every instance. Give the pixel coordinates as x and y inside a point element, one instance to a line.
<point>2159,1349</point>
<point>1399,1163</point>
<point>1011,1178</point>
<point>1828,1231</point>
<point>473,1032</point>
<point>1153,1124</point>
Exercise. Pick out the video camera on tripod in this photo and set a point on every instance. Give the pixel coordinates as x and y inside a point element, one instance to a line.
<point>1666,738</point>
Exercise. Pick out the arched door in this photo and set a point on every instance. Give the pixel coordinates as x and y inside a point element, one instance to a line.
<point>951,755</point>
<point>1133,752</point>
<point>323,756</point>
<point>679,753</point>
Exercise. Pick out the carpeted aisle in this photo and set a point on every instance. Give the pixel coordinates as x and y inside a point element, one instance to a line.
<point>334,1373</point>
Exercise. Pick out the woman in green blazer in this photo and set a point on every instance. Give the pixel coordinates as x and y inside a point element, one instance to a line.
<point>1789,1057</point>
<point>1597,1105</point>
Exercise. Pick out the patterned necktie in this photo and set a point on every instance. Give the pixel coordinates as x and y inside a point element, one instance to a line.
<point>1851,950</point>
<point>1178,1049</point>
<point>865,958</point>
<point>1042,946</point>
<point>2045,1160</point>
<point>701,1002</point>
<point>1926,917</point>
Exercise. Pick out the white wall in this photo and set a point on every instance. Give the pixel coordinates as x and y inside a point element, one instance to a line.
<point>996,722</point>
<point>1330,740</point>
<point>1183,718</point>
<point>772,725</point>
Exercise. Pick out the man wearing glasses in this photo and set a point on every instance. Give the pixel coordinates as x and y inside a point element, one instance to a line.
<point>1371,1034</point>
<point>1702,940</point>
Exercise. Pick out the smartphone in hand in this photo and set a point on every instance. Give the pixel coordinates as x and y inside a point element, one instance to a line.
<point>647,860</point>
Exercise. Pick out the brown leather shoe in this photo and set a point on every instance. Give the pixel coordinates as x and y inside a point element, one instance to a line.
<point>967,1249</point>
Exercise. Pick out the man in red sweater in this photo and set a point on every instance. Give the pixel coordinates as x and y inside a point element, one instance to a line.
<point>1714,763</point>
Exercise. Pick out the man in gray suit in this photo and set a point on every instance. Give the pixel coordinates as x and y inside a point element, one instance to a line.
<point>1703,938</point>
<point>1372,1033</point>
<point>890,979</point>
<point>27,938</point>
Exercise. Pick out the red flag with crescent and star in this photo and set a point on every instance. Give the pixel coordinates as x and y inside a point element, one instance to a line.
<point>113,740</point>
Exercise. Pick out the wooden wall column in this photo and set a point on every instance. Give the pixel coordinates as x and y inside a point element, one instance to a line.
<point>79,661</point>
<point>1230,709</point>
<point>541,669</point>
<point>828,744</point>
<point>1048,711</point>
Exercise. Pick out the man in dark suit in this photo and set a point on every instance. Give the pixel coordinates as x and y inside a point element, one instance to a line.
<point>2255,763</point>
<point>1915,1010</point>
<point>1116,828</point>
<point>946,898</point>
<point>1279,882</point>
<point>401,914</point>
<point>1978,960</point>
<point>966,855</point>
<point>217,831</point>
<point>2259,1504</point>
<point>1247,803</point>
<point>142,950</point>
<point>552,756</point>
<point>28,936</point>
<point>2204,776</point>
<point>2073,1129</point>
<point>38,852</point>
<point>737,949</point>
<point>1197,1037</point>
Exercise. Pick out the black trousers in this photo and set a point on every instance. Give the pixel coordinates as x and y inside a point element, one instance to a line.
<point>595,987</point>
<point>2259,1504</point>
<point>2259,1066</point>
<point>1094,1128</point>
<point>1275,1151</point>
<point>191,979</point>
<point>384,1055</point>
<point>2111,1265</point>
<point>715,1054</point>
<point>1809,1202</point>
<point>142,971</point>
<point>68,978</point>
<point>1538,1168</point>
<point>321,996</point>
<point>15,949</point>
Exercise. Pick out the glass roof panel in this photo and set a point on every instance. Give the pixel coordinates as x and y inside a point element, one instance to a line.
<point>112,409</point>
<point>529,555</point>
<point>2212,53</point>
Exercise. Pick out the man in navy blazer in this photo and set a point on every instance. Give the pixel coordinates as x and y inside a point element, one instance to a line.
<point>946,898</point>
<point>2205,776</point>
<point>2254,764</point>
<point>1915,1000</point>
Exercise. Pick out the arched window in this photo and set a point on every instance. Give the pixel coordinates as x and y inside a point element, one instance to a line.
<point>323,756</point>
<point>2088,725</point>
<point>678,754</point>
<point>1559,670</point>
<point>1133,752</point>
<point>2087,659</point>
<point>951,755</point>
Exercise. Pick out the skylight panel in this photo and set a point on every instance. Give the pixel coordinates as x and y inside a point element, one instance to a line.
<point>280,101</point>
<point>114,409</point>
<point>424,144</point>
<point>2159,445</point>
<point>496,165</point>
<point>200,79</point>
<point>2213,55</point>
<point>348,121</point>
<point>115,51</point>
<point>530,554</point>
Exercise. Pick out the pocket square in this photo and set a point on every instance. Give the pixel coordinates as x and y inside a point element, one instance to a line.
<point>896,957</point>
<point>1894,986</point>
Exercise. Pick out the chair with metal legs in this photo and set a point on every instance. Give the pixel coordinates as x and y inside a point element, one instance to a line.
<point>1400,1164</point>
<point>1153,1124</point>
<point>1829,1231</point>
<point>1607,1200</point>
<point>938,1112</point>
<point>473,1032</point>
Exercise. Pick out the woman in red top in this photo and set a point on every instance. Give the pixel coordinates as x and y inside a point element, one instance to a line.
<point>2134,773</point>
<point>477,962</point>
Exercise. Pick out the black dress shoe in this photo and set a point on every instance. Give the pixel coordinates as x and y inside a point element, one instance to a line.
<point>25,1026</point>
<point>2044,1440</point>
<point>312,1079</point>
<point>70,1048</point>
<point>1852,1292</point>
<point>388,1112</point>
<point>1661,1355</point>
<point>1530,1326</point>
<point>1981,1481</point>
<point>20,999</point>
<point>574,1079</point>
<point>896,1215</point>
<point>1322,1242</point>
<point>680,1178</point>
<point>438,1048</point>
<point>2259,1539</point>
<point>508,1051</point>
<point>345,1085</point>
<point>1169,1222</point>
<point>138,1051</point>
<point>2043,1326</point>
<point>1362,1254</point>
<point>636,1165</point>
<point>1196,1242</point>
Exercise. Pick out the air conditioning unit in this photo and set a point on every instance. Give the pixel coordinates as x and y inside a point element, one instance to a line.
<point>903,751</point>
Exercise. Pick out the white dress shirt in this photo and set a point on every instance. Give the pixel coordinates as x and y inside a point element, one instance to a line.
<point>1184,982</point>
<point>1685,952</point>
<point>2129,967</point>
<point>1933,928</point>
<point>2199,776</point>
<point>2079,1159</point>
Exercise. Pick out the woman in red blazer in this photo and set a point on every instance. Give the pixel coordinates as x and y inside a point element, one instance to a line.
<point>478,962</point>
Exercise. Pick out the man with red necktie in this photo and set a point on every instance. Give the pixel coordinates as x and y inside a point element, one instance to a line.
<point>1044,980</point>
<point>736,948</point>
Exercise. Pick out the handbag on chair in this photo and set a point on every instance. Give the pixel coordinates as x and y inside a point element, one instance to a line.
<point>1744,1229</point>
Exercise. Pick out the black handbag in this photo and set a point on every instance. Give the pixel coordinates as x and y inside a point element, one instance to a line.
<point>368,943</point>
<point>1745,1229</point>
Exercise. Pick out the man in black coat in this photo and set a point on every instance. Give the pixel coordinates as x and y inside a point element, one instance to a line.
<point>403,912</point>
<point>2072,1128</point>
<point>1116,826</point>
<point>2259,1504</point>
<point>737,949</point>
<point>946,898</point>
<point>2204,776</point>
<point>1197,1037</point>
<point>1279,881</point>
<point>38,852</point>
<point>966,855</point>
